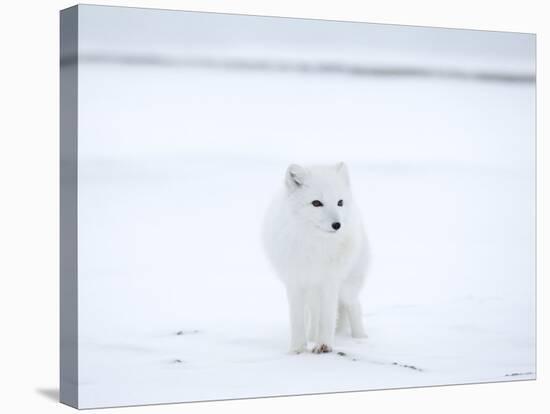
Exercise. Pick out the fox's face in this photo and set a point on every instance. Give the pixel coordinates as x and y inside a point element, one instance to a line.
<point>320,195</point>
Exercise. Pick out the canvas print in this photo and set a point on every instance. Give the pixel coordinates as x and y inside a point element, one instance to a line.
<point>261,206</point>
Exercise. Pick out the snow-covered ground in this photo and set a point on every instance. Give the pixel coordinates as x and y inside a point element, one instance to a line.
<point>176,299</point>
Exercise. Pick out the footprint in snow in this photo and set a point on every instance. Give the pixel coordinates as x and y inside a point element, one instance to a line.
<point>343,354</point>
<point>407,366</point>
<point>188,332</point>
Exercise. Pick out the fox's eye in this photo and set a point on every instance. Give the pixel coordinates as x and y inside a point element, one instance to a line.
<point>340,203</point>
<point>317,203</point>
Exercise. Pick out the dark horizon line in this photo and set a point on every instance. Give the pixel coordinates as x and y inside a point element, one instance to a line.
<point>287,66</point>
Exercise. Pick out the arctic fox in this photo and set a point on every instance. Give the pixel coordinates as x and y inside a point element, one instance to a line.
<point>314,238</point>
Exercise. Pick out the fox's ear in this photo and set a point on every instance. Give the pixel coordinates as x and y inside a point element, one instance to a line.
<point>342,168</point>
<point>295,176</point>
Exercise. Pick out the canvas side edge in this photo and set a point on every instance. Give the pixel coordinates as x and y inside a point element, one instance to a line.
<point>68,157</point>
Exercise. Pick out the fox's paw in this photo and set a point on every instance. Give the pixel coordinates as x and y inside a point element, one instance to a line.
<point>321,349</point>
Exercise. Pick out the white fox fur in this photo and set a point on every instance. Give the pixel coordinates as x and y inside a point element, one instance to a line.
<point>323,268</point>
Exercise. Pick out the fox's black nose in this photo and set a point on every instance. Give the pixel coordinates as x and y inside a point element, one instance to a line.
<point>336,226</point>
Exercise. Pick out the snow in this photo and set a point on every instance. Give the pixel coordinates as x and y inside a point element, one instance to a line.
<point>134,31</point>
<point>177,301</point>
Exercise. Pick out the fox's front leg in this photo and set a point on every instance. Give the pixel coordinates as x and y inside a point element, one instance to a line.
<point>327,318</point>
<point>296,302</point>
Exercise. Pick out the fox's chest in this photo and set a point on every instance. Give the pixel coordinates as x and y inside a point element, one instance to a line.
<point>320,259</point>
